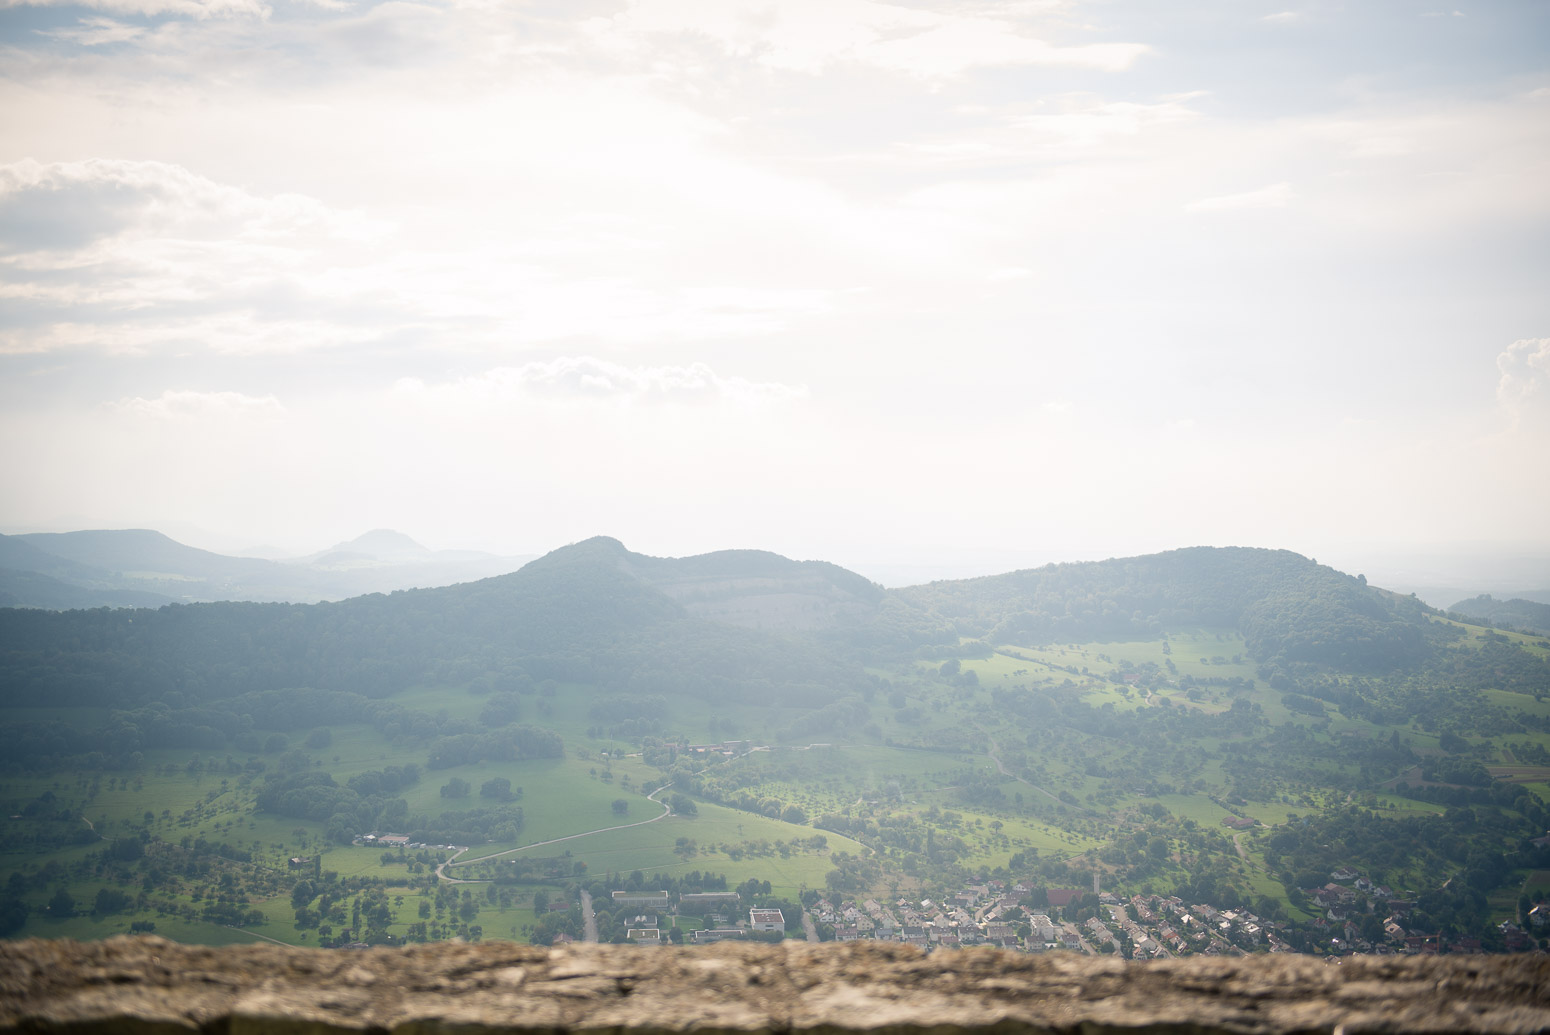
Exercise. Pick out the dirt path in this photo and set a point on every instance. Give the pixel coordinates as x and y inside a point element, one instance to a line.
<point>255,934</point>
<point>652,797</point>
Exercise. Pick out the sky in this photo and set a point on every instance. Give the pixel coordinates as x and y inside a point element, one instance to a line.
<point>982,283</point>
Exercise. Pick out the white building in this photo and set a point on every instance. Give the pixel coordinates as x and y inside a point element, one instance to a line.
<point>766,920</point>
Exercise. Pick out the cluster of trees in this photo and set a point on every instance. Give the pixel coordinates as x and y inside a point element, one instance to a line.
<point>508,744</point>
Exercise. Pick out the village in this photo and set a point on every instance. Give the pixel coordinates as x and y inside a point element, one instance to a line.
<point>1360,917</point>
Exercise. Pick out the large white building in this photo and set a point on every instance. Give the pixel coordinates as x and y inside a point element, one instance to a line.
<point>766,920</point>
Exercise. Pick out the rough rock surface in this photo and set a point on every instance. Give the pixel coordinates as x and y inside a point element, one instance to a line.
<point>152,985</point>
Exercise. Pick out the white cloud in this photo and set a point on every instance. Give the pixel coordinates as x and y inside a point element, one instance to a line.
<point>586,377</point>
<point>1524,383</point>
<point>183,8</point>
<point>174,405</point>
<point>813,35</point>
<point>96,32</point>
<point>132,256</point>
<point>1277,195</point>
<point>1283,17</point>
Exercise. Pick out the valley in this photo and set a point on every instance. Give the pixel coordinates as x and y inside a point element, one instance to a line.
<point>1202,730</point>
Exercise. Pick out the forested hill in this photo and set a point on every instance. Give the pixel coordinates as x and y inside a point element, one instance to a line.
<point>1528,615</point>
<point>588,613</point>
<point>749,588</point>
<point>1288,607</point>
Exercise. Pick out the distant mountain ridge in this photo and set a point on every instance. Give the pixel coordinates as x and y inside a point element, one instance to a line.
<point>141,567</point>
<point>737,624</point>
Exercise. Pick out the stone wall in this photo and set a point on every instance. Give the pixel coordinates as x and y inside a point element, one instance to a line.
<point>152,985</point>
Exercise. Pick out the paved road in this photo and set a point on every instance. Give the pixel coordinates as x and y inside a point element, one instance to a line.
<point>808,926</point>
<point>588,918</point>
<point>440,870</point>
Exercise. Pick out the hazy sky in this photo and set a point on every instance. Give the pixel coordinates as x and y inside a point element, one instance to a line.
<point>849,279</point>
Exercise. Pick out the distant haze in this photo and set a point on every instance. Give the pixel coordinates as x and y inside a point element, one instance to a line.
<point>926,289</point>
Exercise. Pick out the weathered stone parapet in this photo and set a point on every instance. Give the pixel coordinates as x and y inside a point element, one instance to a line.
<point>152,985</point>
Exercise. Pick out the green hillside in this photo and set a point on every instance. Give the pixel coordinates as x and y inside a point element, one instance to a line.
<point>1527,615</point>
<point>1220,725</point>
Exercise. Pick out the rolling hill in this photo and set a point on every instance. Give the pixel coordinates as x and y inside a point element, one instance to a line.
<point>140,567</point>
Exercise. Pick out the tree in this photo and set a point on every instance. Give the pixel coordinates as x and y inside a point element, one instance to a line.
<point>62,904</point>
<point>621,806</point>
<point>682,804</point>
<point>498,788</point>
<point>340,828</point>
<point>457,787</point>
<point>110,900</point>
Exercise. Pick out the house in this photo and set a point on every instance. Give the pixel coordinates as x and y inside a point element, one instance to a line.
<point>657,899</point>
<point>766,920</point>
<point>1059,898</point>
<point>644,935</point>
<point>393,840</point>
<point>696,900</point>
